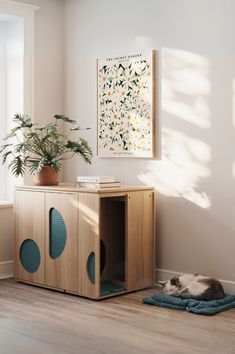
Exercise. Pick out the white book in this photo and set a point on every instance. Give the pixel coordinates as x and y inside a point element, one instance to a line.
<point>95,179</point>
<point>99,185</point>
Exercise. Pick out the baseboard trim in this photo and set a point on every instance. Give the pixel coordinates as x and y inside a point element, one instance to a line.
<point>6,269</point>
<point>164,274</point>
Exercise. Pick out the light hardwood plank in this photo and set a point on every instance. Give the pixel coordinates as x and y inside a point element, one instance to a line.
<point>35,321</point>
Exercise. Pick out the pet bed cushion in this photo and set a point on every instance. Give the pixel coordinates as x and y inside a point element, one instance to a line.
<point>200,307</point>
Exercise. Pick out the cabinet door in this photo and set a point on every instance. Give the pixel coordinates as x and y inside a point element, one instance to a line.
<point>140,240</point>
<point>89,245</point>
<point>62,241</point>
<point>30,237</point>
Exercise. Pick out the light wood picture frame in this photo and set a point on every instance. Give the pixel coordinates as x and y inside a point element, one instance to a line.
<point>126,106</point>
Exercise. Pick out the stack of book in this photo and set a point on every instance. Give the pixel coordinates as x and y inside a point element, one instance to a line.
<point>98,182</point>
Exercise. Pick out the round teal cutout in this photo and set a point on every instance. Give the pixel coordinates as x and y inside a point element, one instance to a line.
<point>30,255</point>
<point>58,234</point>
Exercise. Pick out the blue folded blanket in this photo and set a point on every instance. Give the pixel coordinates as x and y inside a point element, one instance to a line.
<point>191,305</point>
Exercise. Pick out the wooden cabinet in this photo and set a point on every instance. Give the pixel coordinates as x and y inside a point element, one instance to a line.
<point>90,242</point>
<point>61,266</point>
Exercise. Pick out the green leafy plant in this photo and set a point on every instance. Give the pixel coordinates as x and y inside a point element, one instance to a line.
<point>32,146</point>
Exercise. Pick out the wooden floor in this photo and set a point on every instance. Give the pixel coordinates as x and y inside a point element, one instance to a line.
<point>39,321</point>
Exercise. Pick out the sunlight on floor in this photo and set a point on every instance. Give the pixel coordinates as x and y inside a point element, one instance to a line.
<point>185,157</point>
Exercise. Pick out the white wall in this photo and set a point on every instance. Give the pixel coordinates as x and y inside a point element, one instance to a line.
<point>6,214</point>
<point>49,95</point>
<point>11,67</point>
<point>11,88</point>
<point>14,85</point>
<point>2,100</point>
<point>195,176</point>
<point>49,58</point>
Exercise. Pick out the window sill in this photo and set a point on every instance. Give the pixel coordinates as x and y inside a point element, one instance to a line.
<point>6,204</point>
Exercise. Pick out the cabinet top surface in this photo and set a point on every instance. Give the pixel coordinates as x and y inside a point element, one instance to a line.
<point>72,188</point>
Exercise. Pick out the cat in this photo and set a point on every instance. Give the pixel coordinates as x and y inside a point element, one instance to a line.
<point>193,286</point>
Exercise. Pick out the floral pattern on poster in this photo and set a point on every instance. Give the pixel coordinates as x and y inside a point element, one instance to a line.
<point>125,106</point>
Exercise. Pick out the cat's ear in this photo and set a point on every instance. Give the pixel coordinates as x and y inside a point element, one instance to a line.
<point>162,283</point>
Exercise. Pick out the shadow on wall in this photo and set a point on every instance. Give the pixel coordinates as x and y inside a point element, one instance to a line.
<point>185,156</point>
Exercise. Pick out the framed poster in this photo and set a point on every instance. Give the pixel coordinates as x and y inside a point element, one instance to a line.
<point>126,106</point>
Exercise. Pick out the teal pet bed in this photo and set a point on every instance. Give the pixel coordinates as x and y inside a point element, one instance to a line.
<point>190,305</point>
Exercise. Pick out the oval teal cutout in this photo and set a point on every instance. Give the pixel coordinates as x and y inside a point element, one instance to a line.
<point>91,267</point>
<point>58,234</point>
<point>30,255</point>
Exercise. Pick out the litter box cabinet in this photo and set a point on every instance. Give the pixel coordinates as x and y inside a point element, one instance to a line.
<point>90,242</point>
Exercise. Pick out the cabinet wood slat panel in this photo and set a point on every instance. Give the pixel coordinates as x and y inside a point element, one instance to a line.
<point>29,224</point>
<point>62,272</point>
<point>88,231</point>
<point>139,240</point>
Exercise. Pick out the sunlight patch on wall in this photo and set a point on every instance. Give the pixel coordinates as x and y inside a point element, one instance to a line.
<point>186,86</point>
<point>185,157</point>
<point>182,167</point>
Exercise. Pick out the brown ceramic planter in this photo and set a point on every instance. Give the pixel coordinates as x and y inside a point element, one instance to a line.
<point>46,177</point>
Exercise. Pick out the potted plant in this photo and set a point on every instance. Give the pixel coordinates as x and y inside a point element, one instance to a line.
<point>43,148</point>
